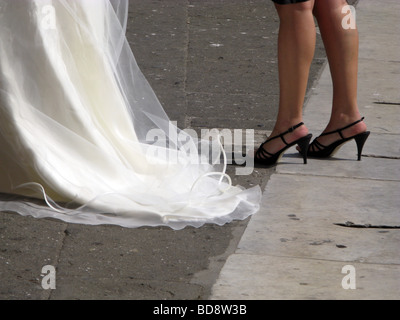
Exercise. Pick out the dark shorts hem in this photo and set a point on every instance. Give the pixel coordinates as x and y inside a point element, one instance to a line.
<point>288,1</point>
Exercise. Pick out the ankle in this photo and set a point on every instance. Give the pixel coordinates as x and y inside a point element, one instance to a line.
<point>344,118</point>
<point>283,125</point>
<point>349,125</point>
<point>298,132</point>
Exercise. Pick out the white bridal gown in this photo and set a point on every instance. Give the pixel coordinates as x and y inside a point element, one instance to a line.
<point>83,137</point>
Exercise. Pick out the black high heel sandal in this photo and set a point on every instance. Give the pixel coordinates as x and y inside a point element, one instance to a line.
<point>266,158</point>
<point>318,150</point>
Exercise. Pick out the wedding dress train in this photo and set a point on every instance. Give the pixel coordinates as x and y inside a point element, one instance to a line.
<point>83,137</point>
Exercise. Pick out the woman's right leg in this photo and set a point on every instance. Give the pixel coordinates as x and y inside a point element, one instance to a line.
<point>342,51</point>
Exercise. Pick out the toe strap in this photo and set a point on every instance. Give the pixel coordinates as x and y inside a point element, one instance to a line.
<point>316,144</point>
<point>262,153</point>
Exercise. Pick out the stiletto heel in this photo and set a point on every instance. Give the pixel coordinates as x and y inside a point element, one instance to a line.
<point>318,150</point>
<point>303,144</point>
<point>266,158</point>
<point>360,140</point>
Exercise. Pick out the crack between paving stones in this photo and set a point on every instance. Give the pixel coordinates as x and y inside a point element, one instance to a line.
<point>58,255</point>
<point>349,224</point>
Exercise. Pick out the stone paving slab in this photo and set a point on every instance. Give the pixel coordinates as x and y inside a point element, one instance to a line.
<point>305,223</point>
<point>303,279</point>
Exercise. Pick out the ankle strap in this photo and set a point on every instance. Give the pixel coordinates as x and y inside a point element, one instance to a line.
<point>291,129</point>
<point>341,129</point>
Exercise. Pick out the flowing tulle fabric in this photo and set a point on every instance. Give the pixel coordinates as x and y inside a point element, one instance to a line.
<point>84,139</point>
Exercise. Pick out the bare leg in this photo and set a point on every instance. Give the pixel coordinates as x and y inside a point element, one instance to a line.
<point>296,45</point>
<point>342,51</point>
